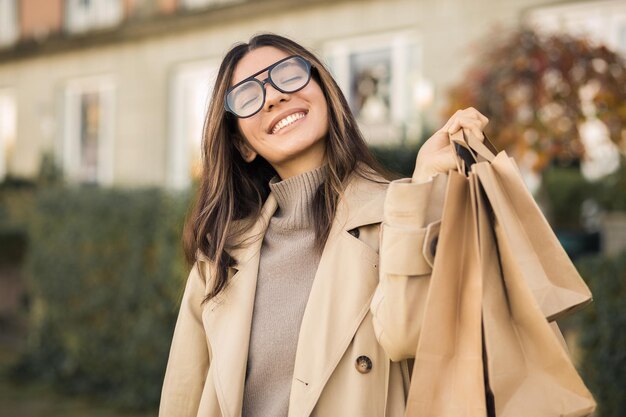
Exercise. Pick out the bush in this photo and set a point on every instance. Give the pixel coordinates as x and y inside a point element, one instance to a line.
<point>611,191</point>
<point>602,339</point>
<point>106,273</point>
<point>16,200</point>
<point>398,158</point>
<point>566,189</point>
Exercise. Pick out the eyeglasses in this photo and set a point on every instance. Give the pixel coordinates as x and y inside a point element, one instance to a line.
<point>247,97</point>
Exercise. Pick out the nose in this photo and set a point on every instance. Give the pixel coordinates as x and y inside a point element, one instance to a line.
<point>273,96</point>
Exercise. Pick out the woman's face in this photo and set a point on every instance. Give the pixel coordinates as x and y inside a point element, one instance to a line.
<point>296,147</point>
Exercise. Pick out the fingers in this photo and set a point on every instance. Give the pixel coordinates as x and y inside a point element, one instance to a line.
<point>468,119</point>
<point>470,124</point>
<point>435,156</point>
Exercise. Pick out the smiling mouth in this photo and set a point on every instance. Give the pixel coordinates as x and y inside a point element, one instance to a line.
<point>296,118</point>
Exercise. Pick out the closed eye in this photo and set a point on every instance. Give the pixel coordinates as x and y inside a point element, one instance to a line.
<point>248,102</point>
<point>292,79</point>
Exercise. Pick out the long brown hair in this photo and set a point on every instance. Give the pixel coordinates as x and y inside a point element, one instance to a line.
<point>232,189</point>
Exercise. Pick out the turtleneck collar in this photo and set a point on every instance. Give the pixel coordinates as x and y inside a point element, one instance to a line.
<point>295,197</point>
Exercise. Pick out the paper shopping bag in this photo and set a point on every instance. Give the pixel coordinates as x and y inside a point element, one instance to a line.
<point>528,371</point>
<point>522,230</point>
<point>447,377</point>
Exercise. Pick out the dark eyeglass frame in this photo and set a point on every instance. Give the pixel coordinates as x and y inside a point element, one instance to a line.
<point>262,83</point>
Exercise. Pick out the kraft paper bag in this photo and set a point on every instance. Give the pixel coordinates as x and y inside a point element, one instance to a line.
<point>526,370</point>
<point>522,228</point>
<point>447,377</point>
<point>529,371</point>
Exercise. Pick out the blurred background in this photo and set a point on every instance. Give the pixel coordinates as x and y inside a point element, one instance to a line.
<point>101,111</point>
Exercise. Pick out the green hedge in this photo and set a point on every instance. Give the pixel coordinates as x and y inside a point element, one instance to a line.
<point>397,158</point>
<point>16,201</point>
<point>106,274</point>
<point>566,189</point>
<point>602,337</point>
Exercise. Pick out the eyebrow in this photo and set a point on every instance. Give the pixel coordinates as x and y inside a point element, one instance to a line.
<point>261,71</point>
<point>252,76</point>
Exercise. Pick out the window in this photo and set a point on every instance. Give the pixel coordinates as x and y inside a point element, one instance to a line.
<point>85,15</point>
<point>370,85</point>
<point>8,22</point>
<point>89,130</point>
<point>381,79</point>
<point>191,89</point>
<point>8,121</point>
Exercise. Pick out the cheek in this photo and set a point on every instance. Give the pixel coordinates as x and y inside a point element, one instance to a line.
<point>249,129</point>
<point>323,105</point>
<point>324,118</point>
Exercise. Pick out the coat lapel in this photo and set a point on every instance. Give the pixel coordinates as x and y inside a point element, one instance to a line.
<point>344,283</point>
<point>228,318</point>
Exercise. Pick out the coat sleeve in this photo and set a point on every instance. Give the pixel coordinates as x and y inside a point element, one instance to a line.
<point>407,244</point>
<point>189,355</point>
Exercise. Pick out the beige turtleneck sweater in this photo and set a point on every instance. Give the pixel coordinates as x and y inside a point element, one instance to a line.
<point>286,271</point>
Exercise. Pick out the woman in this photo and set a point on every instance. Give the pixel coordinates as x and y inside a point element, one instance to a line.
<point>289,310</point>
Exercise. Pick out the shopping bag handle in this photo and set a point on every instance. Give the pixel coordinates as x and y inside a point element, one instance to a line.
<point>469,149</point>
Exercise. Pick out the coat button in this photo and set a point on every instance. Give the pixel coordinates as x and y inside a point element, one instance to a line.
<point>363,364</point>
<point>354,232</point>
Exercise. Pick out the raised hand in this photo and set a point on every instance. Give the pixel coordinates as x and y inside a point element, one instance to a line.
<point>436,156</point>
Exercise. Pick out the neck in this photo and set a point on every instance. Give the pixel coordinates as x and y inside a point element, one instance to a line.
<point>312,159</point>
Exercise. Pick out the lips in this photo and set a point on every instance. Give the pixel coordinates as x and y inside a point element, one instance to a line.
<point>285,119</point>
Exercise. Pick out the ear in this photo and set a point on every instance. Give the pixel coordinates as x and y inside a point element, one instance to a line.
<point>247,153</point>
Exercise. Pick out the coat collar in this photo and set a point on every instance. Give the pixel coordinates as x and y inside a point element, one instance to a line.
<point>329,322</point>
<point>361,204</point>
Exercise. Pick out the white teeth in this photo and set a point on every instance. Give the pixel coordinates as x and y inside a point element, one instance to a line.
<point>287,121</point>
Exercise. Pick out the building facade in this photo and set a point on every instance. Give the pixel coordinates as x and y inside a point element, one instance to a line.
<point>117,90</point>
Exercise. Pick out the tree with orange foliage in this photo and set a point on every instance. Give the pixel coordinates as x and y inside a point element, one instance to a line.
<point>536,91</point>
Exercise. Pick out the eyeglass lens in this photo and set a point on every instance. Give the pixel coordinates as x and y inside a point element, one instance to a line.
<point>288,76</point>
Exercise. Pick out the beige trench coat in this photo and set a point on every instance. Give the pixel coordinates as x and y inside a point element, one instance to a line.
<point>366,300</point>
